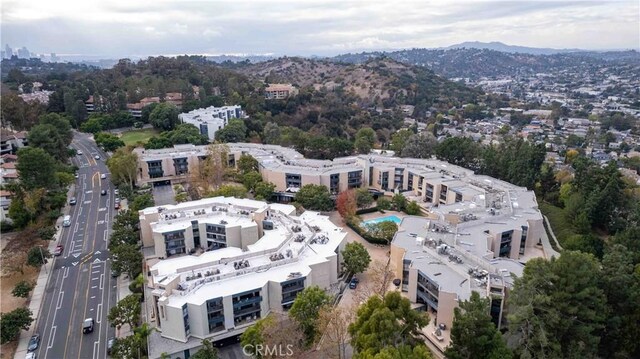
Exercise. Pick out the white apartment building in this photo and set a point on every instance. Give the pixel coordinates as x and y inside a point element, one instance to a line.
<point>258,257</point>
<point>211,119</point>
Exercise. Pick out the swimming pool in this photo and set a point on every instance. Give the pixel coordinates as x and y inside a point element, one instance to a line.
<point>394,219</point>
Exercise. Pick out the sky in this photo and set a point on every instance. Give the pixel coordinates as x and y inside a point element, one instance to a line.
<point>130,28</point>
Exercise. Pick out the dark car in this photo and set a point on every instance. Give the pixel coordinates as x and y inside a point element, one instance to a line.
<point>87,326</point>
<point>354,283</point>
<point>73,201</point>
<point>110,344</point>
<point>58,251</point>
<point>34,342</point>
<point>114,273</point>
<point>103,192</point>
<point>116,205</point>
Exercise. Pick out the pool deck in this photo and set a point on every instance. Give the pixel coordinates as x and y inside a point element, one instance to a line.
<point>374,215</point>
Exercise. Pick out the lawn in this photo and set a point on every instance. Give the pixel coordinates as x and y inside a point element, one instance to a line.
<point>561,227</point>
<point>135,136</point>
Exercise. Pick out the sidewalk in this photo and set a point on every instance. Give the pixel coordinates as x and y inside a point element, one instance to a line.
<point>35,303</point>
<point>123,291</point>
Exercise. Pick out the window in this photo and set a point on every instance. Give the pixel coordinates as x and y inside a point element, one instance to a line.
<point>523,240</point>
<point>185,319</point>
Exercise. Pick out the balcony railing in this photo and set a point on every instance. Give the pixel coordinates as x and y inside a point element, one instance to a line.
<point>242,302</point>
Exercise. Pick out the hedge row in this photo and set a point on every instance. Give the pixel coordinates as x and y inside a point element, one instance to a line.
<point>367,210</point>
<point>364,234</point>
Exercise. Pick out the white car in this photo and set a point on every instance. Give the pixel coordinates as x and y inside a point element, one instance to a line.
<point>103,176</point>
<point>97,157</point>
<point>79,153</point>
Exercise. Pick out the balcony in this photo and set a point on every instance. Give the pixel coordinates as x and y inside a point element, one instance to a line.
<point>250,310</point>
<point>240,303</point>
<point>299,286</point>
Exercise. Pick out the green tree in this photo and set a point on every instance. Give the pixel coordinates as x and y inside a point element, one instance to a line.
<point>264,190</point>
<point>473,334</point>
<point>164,117</point>
<point>314,197</point>
<point>22,289</point>
<point>412,208</point>
<point>123,166</point>
<point>127,311</point>
<point>365,139</point>
<point>92,125</point>
<point>37,256</point>
<point>46,233</point>
<point>142,201</point>
<point>621,285</point>
<point>246,163</point>
<point>108,141</point>
<point>229,190</point>
<point>399,202</point>
<point>383,204</point>
<point>36,168</point>
<point>363,198</point>
<point>356,257</point>
<point>13,322</point>
<point>460,151</point>
<point>385,323</point>
<point>419,146</point>
<point>186,133</point>
<point>253,337</point>
<point>126,258</point>
<point>251,179</point>
<point>306,308</point>
<point>271,133</point>
<point>47,137</point>
<point>399,139</point>
<point>234,131</point>
<point>207,351</point>
<point>555,309</point>
<point>384,230</point>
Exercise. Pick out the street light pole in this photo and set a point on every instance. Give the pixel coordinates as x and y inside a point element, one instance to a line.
<point>44,264</point>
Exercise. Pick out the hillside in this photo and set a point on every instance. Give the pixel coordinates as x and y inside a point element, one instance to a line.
<point>499,46</point>
<point>379,80</point>
<point>476,63</point>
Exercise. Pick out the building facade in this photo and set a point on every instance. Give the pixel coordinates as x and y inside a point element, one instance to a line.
<point>257,257</point>
<point>279,91</point>
<point>211,119</point>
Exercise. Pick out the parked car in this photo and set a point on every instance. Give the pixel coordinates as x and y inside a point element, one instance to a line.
<point>34,342</point>
<point>354,283</point>
<point>114,273</point>
<point>116,205</point>
<point>58,251</point>
<point>30,355</point>
<point>110,344</point>
<point>87,326</point>
<point>79,153</point>
<point>103,176</point>
<point>116,191</point>
<point>76,175</point>
<point>73,201</point>
<point>103,192</point>
<point>96,157</point>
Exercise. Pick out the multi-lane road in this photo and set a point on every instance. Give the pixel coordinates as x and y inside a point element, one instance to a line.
<point>80,285</point>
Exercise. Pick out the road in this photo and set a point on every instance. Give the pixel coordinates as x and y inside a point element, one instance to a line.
<point>80,285</point>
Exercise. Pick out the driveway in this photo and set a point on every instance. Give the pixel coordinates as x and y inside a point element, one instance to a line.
<point>163,195</point>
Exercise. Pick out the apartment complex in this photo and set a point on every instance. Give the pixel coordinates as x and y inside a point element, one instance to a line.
<point>478,245</point>
<point>257,257</point>
<point>279,91</point>
<point>211,119</point>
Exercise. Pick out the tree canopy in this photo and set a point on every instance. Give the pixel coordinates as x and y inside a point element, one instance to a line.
<point>306,308</point>
<point>314,197</point>
<point>356,257</point>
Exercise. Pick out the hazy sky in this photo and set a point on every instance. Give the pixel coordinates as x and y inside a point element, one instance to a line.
<point>304,27</point>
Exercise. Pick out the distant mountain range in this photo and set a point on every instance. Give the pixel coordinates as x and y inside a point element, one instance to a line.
<point>512,49</point>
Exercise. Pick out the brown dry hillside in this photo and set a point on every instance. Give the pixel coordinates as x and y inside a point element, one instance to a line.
<point>377,79</point>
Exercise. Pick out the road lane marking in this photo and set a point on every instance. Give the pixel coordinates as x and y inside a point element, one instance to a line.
<point>96,349</point>
<point>74,263</point>
<point>87,202</point>
<point>51,337</point>
<point>101,281</point>
<point>60,296</point>
<point>104,236</point>
<point>102,209</point>
<point>94,286</point>
<point>88,192</point>
<point>93,297</point>
<point>97,260</point>
<point>99,313</point>
<point>66,273</point>
<point>95,278</point>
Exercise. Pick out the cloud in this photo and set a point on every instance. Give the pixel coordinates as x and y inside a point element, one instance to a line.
<point>310,27</point>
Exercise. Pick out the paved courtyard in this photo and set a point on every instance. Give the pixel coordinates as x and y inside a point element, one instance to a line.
<point>163,195</point>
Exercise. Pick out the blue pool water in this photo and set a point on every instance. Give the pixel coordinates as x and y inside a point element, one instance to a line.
<point>394,219</point>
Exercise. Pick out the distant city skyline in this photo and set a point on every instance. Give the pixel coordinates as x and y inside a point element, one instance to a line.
<point>113,29</point>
